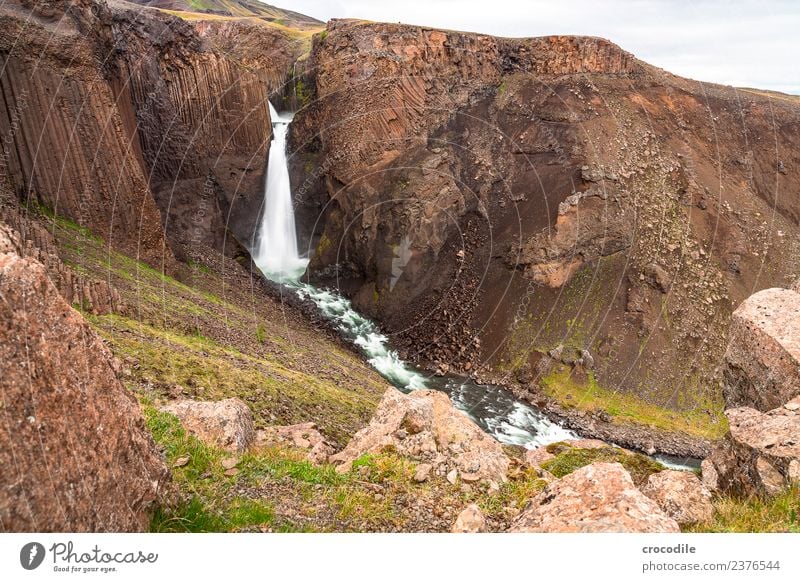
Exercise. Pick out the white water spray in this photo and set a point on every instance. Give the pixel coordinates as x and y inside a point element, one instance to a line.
<point>276,251</point>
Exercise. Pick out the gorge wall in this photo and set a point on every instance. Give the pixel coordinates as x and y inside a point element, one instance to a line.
<point>137,124</point>
<point>492,201</point>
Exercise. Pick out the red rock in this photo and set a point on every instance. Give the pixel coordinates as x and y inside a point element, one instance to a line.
<point>437,434</point>
<point>761,453</point>
<point>227,424</point>
<point>75,452</point>
<point>762,363</point>
<point>470,520</point>
<point>596,498</point>
<point>681,496</point>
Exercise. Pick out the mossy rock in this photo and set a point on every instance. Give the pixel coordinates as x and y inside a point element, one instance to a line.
<point>569,459</point>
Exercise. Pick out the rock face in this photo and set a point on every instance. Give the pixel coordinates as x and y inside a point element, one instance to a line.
<point>761,454</point>
<point>681,496</point>
<point>71,149</point>
<point>450,172</point>
<point>762,363</point>
<point>158,136</point>
<point>75,453</point>
<point>423,425</point>
<point>227,424</point>
<point>597,498</point>
<point>471,520</point>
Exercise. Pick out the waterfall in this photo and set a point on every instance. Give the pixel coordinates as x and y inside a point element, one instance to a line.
<point>493,408</point>
<point>276,251</point>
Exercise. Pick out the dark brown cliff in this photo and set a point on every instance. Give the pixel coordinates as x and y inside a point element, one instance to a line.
<point>137,123</point>
<point>492,200</point>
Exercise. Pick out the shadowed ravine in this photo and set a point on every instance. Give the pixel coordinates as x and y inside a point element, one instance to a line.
<point>493,408</point>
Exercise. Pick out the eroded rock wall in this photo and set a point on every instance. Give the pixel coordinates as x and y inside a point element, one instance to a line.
<point>491,199</point>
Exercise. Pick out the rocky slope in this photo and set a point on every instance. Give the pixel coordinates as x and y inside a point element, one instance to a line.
<point>497,203</point>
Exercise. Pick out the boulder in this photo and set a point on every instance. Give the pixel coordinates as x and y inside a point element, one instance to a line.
<point>470,520</point>
<point>761,453</point>
<point>762,362</point>
<point>424,426</point>
<point>302,436</point>
<point>596,498</point>
<point>227,424</point>
<point>681,496</point>
<point>74,450</point>
<point>709,475</point>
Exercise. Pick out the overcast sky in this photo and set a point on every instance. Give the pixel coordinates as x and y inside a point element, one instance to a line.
<point>742,43</point>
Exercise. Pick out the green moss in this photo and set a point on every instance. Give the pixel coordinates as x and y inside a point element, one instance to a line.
<point>62,221</point>
<point>502,87</point>
<point>627,408</point>
<point>199,266</point>
<point>302,93</point>
<point>569,459</point>
<point>324,244</point>
<point>514,493</point>
<point>261,333</point>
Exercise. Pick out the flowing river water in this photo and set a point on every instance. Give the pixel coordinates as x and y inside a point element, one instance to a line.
<point>493,408</point>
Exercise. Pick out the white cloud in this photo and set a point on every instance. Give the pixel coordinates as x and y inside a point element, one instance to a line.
<point>742,43</point>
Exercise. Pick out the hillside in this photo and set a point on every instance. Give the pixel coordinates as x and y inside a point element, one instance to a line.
<point>235,8</point>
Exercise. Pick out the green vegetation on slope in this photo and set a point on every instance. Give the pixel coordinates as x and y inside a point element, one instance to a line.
<point>627,408</point>
<point>212,337</point>
<point>755,515</point>
<point>277,489</point>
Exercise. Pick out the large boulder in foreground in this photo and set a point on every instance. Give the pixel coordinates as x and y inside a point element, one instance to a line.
<point>762,362</point>
<point>74,450</point>
<point>424,425</point>
<point>227,424</point>
<point>761,454</point>
<point>596,498</point>
<point>681,496</point>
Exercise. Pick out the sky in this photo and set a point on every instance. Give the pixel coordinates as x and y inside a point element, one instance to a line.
<point>741,43</point>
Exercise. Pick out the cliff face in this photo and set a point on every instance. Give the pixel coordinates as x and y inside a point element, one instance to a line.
<point>66,144</point>
<point>491,200</point>
<point>135,123</point>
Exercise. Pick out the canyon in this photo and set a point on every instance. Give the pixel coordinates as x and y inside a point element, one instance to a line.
<point>549,216</point>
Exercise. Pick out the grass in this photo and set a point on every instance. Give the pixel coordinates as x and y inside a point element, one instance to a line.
<point>61,221</point>
<point>277,391</point>
<point>515,493</point>
<point>627,408</point>
<point>206,505</point>
<point>569,459</point>
<point>216,339</point>
<point>778,514</point>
